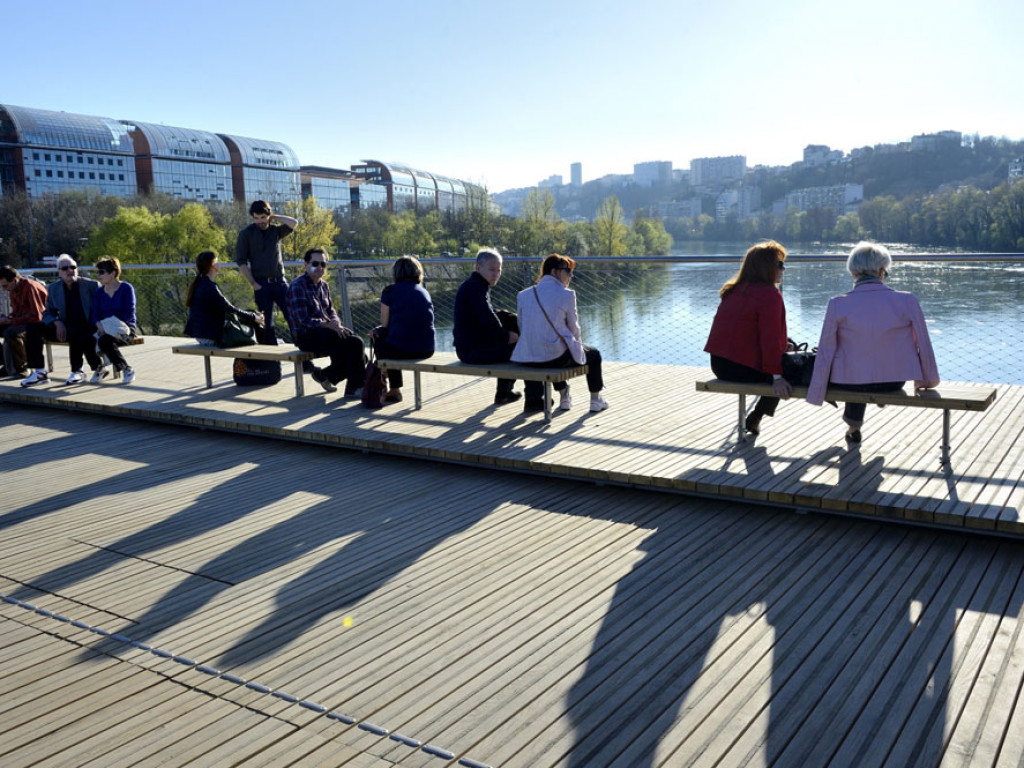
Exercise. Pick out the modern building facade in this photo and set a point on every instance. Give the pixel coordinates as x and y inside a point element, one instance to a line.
<point>409,189</point>
<point>263,170</point>
<point>184,163</point>
<point>576,174</point>
<point>842,198</point>
<point>43,151</point>
<point>712,170</point>
<point>653,174</point>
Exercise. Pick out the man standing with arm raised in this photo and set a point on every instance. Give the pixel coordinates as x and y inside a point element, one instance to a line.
<point>258,254</point>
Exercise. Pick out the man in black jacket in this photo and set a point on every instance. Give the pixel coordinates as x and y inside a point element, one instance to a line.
<point>481,336</point>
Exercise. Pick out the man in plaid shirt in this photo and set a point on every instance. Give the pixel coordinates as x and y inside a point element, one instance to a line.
<point>317,328</point>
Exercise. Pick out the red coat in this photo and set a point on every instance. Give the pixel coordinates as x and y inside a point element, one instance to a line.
<point>28,300</point>
<point>750,327</point>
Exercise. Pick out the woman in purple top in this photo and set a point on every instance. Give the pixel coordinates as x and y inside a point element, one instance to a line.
<point>406,329</point>
<point>113,302</point>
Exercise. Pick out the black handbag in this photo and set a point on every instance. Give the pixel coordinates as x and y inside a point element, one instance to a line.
<point>236,333</point>
<point>374,384</point>
<point>256,373</point>
<point>798,365</point>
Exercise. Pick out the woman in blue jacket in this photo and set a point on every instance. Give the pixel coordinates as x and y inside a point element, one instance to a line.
<point>208,307</point>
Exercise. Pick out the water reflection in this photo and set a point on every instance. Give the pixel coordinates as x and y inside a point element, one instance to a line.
<point>661,313</point>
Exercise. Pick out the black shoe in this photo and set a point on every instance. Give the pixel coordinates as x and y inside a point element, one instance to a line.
<point>753,424</point>
<point>321,378</point>
<point>534,406</point>
<point>503,398</point>
<point>853,438</point>
<point>309,367</point>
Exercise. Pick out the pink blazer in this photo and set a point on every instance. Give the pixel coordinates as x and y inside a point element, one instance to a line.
<point>873,334</point>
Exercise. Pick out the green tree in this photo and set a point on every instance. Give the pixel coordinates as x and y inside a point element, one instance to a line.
<point>316,228</point>
<point>654,240</point>
<point>610,229</point>
<point>137,235</point>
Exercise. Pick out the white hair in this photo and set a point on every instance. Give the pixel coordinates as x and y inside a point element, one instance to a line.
<point>867,258</point>
<point>65,260</point>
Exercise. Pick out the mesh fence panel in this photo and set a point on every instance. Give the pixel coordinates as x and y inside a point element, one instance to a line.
<point>660,311</point>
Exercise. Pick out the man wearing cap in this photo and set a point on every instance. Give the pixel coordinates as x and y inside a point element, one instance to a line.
<point>66,318</point>
<point>28,299</point>
<point>258,255</point>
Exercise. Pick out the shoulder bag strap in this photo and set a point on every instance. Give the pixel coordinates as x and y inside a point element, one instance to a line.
<point>537,297</point>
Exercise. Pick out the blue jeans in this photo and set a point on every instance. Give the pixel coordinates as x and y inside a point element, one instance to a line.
<point>274,291</point>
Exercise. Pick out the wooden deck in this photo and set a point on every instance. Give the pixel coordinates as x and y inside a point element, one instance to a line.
<point>658,434</point>
<point>181,598</point>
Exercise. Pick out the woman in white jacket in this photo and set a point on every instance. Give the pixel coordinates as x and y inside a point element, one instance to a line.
<point>549,335</point>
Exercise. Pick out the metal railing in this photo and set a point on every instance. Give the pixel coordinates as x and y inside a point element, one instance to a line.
<point>659,310</point>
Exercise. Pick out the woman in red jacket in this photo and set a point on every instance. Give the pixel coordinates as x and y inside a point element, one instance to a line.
<point>748,335</point>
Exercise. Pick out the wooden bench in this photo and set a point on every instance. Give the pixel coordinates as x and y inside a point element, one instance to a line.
<point>447,362</point>
<point>948,398</point>
<point>283,353</point>
<point>51,344</point>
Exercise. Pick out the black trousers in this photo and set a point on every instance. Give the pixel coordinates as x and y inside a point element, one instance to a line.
<point>346,353</point>
<point>383,349</point>
<point>727,370</point>
<point>111,347</point>
<point>595,380</point>
<point>853,413</point>
<point>81,343</point>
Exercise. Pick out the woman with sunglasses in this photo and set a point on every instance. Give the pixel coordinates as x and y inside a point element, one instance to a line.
<point>549,336</point>
<point>208,307</point>
<point>748,334</point>
<point>874,339</point>
<point>113,314</point>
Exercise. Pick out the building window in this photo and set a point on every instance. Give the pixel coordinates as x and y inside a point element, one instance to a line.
<point>35,155</point>
<point>92,175</point>
<point>60,174</point>
<point>103,177</point>
<point>79,158</point>
<point>60,159</point>
<point>46,157</point>
<point>90,161</point>
<point>120,177</point>
<point>38,172</point>
<point>49,174</point>
<point>81,174</point>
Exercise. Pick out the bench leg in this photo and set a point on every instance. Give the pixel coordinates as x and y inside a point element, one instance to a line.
<point>209,371</point>
<point>547,401</point>
<point>945,437</point>
<point>740,431</point>
<point>49,357</point>
<point>418,389</point>
<point>300,387</point>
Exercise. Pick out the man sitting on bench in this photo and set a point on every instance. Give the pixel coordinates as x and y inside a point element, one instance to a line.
<point>481,336</point>
<point>66,318</point>
<point>317,328</point>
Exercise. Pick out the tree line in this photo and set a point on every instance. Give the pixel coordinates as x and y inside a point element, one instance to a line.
<point>967,218</point>
<point>157,229</point>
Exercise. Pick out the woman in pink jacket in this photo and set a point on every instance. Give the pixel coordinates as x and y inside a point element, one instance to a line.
<point>874,338</point>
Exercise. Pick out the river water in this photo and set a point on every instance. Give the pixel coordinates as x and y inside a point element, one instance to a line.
<point>973,310</point>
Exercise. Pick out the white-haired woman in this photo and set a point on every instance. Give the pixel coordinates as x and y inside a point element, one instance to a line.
<point>874,338</point>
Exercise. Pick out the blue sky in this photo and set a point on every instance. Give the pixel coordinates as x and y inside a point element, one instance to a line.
<point>508,94</point>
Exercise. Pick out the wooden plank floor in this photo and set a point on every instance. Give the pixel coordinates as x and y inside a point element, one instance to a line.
<point>659,433</point>
<point>176,597</point>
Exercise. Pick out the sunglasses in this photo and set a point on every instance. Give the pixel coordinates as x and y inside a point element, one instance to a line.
<point>68,269</point>
<point>318,263</point>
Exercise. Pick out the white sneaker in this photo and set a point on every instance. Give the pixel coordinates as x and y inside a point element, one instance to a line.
<point>598,403</point>
<point>564,399</point>
<point>76,377</point>
<point>128,375</point>
<point>99,375</point>
<point>38,376</point>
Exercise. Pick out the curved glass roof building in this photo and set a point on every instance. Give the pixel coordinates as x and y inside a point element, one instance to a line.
<point>412,189</point>
<point>43,151</point>
<point>263,170</point>
<point>185,163</point>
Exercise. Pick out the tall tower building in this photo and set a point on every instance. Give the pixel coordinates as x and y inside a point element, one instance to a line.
<point>576,174</point>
